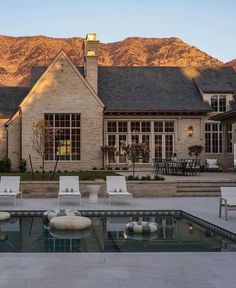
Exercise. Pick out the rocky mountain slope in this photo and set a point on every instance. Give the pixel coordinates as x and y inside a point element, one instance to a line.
<point>19,54</point>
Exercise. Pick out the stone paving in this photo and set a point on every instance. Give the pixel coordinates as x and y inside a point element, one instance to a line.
<point>122,269</point>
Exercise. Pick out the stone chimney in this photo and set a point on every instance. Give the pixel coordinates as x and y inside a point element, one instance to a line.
<point>91,60</point>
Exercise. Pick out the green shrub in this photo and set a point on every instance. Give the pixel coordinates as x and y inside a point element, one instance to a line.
<point>158,178</point>
<point>22,165</point>
<point>5,165</point>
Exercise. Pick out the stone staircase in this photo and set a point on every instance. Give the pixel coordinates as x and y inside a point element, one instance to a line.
<point>201,188</point>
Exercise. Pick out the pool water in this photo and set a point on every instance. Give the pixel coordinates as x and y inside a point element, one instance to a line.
<point>175,233</point>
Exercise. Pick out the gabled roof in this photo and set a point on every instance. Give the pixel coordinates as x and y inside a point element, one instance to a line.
<point>149,89</point>
<point>218,79</point>
<point>61,53</point>
<point>10,99</point>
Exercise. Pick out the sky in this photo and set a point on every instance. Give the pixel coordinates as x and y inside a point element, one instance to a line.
<point>210,25</point>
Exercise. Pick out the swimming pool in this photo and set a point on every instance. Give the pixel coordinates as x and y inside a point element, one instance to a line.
<point>177,231</point>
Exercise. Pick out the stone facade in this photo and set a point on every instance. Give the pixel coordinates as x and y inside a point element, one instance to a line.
<point>60,90</point>
<point>14,142</point>
<point>3,138</point>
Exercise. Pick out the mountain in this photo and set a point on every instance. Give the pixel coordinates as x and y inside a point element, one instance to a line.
<point>231,64</point>
<point>19,54</point>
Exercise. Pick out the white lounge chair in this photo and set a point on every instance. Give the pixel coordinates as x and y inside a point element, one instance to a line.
<point>10,187</point>
<point>212,164</point>
<point>227,200</point>
<point>69,188</point>
<point>116,188</point>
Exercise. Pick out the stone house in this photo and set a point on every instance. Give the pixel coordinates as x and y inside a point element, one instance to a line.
<point>167,108</point>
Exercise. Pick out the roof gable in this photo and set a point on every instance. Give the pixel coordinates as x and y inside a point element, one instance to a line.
<point>60,55</point>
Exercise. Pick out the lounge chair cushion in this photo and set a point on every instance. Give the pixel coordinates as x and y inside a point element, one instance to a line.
<point>212,163</point>
<point>117,194</point>
<point>70,222</point>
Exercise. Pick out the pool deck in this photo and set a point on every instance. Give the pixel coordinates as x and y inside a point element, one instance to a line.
<point>205,270</point>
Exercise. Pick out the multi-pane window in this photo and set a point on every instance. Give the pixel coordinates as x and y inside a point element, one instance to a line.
<point>134,138</point>
<point>135,126</point>
<point>146,141</point>
<point>146,126</point>
<point>213,138</point>
<point>62,140</point>
<point>122,139</point>
<point>218,103</point>
<point>166,126</point>
<point>122,126</point>
<point>141,132</point>
<point>229,139</point>
<point>169,146</point>
<point>158,146</point>
<point>111,142</point>
<point>111,127</point>
<point>164,139</point>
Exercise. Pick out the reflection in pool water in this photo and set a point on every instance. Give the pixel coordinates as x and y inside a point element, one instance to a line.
<point>107,234</point>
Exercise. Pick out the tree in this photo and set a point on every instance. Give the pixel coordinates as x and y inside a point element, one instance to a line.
<point>135,152</point>
<point>109,152</point>
<point>195,150</point>
<point>41,135</point>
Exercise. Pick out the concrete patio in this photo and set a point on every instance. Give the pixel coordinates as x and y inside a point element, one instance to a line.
<point>123,269</point>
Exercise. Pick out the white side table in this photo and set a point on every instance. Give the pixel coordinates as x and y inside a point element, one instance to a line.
<point>93,193</point>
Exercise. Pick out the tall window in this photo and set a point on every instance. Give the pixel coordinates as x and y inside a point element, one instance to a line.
<point>65,141</point>
<point>218,103</point>
<point>164,139</point>
<point>229,140</point>
<point>213,138</point>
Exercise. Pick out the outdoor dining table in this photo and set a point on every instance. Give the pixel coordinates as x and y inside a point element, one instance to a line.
<point>178,167</point>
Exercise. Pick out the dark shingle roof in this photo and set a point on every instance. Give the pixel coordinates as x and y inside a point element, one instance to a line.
<point>149,89</point>
<point>218,79</point>
<point>229,116</point>
<point>142,88</point>
<point>10,98</point>
<point>36,73</point>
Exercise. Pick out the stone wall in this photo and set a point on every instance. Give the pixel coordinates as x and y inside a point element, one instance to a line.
<point>14,145</point>
<point>48,189</point>
<point>3,139</point>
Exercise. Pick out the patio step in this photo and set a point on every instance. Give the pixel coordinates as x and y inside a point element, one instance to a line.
<point>208,189</point>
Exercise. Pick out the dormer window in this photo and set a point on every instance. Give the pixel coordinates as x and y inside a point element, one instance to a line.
<point>218,103</point>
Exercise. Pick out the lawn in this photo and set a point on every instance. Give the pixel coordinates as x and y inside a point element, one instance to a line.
<point>84,175</point>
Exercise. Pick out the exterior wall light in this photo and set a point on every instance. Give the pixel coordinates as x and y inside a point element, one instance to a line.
<point>190,131</point>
